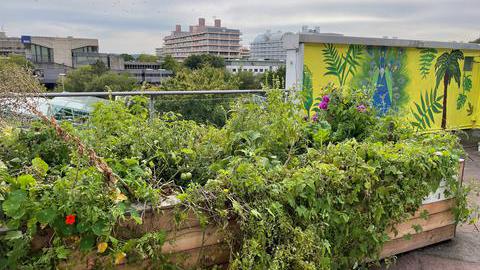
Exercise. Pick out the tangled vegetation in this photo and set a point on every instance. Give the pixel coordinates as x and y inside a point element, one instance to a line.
<point>307,193</point>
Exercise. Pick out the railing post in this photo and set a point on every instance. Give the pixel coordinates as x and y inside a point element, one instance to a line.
<point>151,108</point>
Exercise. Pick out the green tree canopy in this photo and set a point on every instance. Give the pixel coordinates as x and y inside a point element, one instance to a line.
<point>199,60</point>
<point>270,78</point>
<point>169,63</point>
<point>127,57</point>
<point>249,80</point>
<point>144,58</point>
<point>204,78</point>
<point>88,79</point>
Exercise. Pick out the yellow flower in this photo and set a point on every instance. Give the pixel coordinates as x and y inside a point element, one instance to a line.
<point>101,247</point>
<point>120,258</point>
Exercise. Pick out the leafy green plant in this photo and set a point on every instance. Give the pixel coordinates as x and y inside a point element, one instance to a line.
<point>429,106</point>
<point>466,86</point>
<point>339,65</point>
<point>427,55</point>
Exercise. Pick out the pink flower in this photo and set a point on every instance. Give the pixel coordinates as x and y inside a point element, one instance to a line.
<point>361,108</point>
<point>323,105</point>
<point>326,99</point>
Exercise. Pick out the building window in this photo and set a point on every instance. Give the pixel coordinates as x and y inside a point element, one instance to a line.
<point>256,70</point>
<point>468,64</point>
<point>41,54</point>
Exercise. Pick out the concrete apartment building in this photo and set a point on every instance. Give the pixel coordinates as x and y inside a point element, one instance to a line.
<point>10,45</point>
<point>202,38</point>
<point>268,46</point>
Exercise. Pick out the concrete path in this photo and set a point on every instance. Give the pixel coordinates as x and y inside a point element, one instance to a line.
<point>463,252</point>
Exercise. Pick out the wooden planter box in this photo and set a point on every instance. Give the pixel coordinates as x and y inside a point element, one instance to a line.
<point>190,245</point>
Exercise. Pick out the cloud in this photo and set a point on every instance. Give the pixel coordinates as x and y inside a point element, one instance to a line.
<point>140,25</point>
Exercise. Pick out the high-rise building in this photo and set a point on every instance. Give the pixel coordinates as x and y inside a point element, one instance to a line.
<point>203,39</point>
<point>10,45</point>
<point>244,53</point>
<point>268,46</point>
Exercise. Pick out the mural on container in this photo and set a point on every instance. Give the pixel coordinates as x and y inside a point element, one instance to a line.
<point>416,81</point>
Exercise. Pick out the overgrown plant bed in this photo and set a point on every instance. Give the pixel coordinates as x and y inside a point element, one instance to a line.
<point>277,187</point>
<point>191,244</point>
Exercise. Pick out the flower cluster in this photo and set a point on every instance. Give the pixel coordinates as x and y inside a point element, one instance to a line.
<point>324,104</point>
<point>361,108</point>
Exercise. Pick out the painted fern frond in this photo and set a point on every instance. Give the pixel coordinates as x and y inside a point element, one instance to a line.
<point>351,59</point>
<point>333,61</point>
<point>427,108</point>
<point>427,55</point>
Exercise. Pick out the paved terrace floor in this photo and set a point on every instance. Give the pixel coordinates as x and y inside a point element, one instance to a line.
<point>461,253</point>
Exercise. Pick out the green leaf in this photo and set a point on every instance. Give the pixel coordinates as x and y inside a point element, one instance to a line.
<point>99,228</point>
<point>46,216</point>
<point>12,235</point>
<point>26,180</point>
<point>13,206</point>
<point>87,242</point>
<point>40,166</point>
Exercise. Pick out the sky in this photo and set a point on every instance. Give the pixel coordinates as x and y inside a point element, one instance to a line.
<point>138,26</point>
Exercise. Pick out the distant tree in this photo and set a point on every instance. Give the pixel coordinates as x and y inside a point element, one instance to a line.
<point>87,79</point>
<point>248,80</point>
<point>99,68</point>
<point>204,78</point>
<point>77,80</point>
<point>114,81</point>
<point>127,57</point>
<point>202,108</point>
<point>147,58</point>
<point>169,63</point>
<point>199,60</point>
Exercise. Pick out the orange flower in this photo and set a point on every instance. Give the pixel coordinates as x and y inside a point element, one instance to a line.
<point>70,219</point>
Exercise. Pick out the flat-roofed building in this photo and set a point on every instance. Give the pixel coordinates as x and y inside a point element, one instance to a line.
<point>10,45</point>
<point>203,39</point>
<point>268,46</point>
<point>254,66</point>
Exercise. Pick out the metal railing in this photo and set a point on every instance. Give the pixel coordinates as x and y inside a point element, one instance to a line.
<point>151,94</point>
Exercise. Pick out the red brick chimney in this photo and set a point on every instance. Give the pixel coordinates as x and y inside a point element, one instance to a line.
<point>201,21</point>
<point>178,28</point>
<point>218,23</point>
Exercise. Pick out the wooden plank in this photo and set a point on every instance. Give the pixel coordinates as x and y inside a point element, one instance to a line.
<point>217,254</point>
<point>435,207</point>
<point>434,221</point>
<point>192,238</point>
<point>154,221</point>
<point>419,240</point>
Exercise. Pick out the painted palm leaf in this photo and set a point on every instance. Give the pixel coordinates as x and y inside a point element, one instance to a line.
<point>339,65</point>
<point>427,55</point>
<point>426,110</point>
<point>448,66</point>
<point>333,61</point>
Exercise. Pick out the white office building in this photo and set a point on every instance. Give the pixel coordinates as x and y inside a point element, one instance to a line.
<point>268,46</point>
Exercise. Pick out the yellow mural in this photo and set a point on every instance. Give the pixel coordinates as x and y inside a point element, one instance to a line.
<point>411,81</point>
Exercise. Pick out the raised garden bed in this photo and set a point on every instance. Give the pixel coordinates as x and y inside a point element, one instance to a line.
<point>189,244</point>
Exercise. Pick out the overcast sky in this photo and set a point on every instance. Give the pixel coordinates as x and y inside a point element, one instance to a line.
<point>137,26</point>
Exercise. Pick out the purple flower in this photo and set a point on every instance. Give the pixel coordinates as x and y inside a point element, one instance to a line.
<point>323,105</point>
<point>315,117</point>
<point>326,99</point>
<point>361,108</point>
